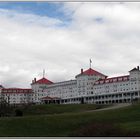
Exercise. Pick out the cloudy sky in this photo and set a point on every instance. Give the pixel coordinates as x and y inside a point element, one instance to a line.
<point>62,37</point>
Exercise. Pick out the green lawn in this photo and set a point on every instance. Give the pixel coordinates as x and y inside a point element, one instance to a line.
<point>65,124</point>
<point>60,108</point>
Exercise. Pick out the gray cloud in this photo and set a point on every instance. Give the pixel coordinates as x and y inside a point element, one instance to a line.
<point>29,43</point>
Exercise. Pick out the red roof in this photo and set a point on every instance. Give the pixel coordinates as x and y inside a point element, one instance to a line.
<point>16,91</point>
<point>43,81</point>
<point>112,80</point>
<point>91,72</point>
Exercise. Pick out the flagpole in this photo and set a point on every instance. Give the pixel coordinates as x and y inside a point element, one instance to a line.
<point>43,73</point>
<point>90,62</point>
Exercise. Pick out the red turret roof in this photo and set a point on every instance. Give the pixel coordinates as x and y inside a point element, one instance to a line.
<point>43,81</point>
<point>91,72</point>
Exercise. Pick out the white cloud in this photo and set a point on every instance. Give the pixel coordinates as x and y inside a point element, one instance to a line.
<point>106,32</point>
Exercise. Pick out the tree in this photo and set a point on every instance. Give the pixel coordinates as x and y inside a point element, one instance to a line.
<point>4,107</point>
<point>18,112</point>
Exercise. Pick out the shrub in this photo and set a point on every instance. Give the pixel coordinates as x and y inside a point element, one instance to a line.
<point>18,112</point>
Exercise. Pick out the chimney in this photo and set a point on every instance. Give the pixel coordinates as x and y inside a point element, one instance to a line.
<point>81,71</point>
<point>137,67</point>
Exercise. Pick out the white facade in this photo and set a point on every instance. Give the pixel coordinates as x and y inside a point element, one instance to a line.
<point>118,89</point>
<point>16,95</point>
<point>66,89</point>
<point>89,86</point>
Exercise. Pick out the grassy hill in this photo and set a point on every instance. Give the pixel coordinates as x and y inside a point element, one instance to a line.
<point>57,109</point>
<point>117,122</point>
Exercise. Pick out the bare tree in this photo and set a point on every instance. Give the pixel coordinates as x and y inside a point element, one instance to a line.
<point>4,106</point>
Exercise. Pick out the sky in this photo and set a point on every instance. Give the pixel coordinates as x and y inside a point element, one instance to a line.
<point>61,37</point>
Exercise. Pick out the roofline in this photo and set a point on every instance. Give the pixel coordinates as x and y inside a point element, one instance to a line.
<point>17,88</point>
<point>116,77</point>
<point>82,74</point>
<point>109,79</point>
<point>42,84</point>
<point>64,81</point>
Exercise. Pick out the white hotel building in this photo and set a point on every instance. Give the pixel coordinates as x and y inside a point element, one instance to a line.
<point>89,86</point>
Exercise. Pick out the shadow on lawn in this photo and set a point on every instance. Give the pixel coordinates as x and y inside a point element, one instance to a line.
<point>103,130</point>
